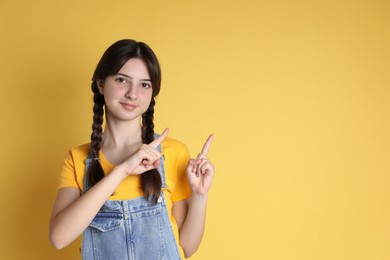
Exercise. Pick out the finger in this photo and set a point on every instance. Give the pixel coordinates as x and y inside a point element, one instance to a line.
<point>193,165</point>
<point>156,163</point>
<point>207,145</point>
<point>159,139</point>
<point>206,168</point>
<point>151,150</point>
<point>149,155</point>
<point>201,156</point>
<point>197,167</point>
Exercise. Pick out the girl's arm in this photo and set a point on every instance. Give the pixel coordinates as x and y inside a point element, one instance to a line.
<point>72,213</point>
<point>190,214</point>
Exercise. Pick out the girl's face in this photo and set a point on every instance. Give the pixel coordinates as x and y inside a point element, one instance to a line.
<point>128,93</point>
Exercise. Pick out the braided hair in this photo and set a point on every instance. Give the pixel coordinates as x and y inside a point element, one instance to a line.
<point>111,62</point>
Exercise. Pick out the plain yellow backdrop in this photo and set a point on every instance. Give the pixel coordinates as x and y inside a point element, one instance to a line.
<point>296,92</point>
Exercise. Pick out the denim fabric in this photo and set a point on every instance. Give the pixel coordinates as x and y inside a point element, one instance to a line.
<point>130,229</point>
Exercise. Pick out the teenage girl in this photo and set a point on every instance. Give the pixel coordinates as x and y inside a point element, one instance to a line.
<point>131,193</point>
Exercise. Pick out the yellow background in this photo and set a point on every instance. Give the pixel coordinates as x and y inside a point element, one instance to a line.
<point>296,92</point>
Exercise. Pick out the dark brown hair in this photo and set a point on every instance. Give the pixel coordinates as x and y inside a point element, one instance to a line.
<point>111,62</point>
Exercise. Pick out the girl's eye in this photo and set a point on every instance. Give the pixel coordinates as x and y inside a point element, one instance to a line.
<point>121,80</point>
<point>145,85</point>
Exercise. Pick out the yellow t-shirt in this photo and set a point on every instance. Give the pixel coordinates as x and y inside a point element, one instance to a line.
<point>176,157</point>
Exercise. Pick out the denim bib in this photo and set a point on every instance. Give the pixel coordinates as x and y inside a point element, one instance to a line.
<point>133,229</point>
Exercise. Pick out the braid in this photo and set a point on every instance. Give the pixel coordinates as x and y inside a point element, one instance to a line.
<point>95,172</point>
<point>150,180</point>
<point>148,124</point>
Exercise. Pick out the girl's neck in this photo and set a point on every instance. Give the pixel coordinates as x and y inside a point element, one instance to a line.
<point>118,135</point>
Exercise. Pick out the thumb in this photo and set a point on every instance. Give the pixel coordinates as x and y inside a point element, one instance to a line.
<point>156,163</point>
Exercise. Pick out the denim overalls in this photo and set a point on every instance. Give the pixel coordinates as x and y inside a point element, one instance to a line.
<point>130,229</point>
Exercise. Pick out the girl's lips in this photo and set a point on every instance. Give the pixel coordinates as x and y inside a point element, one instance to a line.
<point>128,106</point>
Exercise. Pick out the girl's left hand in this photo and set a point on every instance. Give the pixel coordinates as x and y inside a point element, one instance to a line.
<point>200,171</point>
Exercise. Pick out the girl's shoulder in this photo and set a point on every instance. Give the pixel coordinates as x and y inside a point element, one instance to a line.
<point>80,152</point>
<point>175,151</point>
<point>173,144</point>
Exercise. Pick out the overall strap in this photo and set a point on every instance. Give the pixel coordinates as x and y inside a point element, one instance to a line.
<point>161,168</point>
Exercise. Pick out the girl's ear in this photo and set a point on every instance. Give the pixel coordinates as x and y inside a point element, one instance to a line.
<point>100,85</point>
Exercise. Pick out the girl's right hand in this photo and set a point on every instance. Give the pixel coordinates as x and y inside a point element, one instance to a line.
<point>145,158</point>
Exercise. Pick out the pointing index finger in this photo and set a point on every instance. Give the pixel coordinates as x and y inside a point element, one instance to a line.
<point>159,139</point>
<point>207,145</point>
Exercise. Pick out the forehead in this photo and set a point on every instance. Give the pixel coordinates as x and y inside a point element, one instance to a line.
<point>135,68</point>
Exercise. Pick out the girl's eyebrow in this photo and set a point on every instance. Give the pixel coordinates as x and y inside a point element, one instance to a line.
<point>127,76</point>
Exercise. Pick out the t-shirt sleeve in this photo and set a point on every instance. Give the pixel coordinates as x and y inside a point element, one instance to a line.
<point>182,188</point>
<point>67,176</point>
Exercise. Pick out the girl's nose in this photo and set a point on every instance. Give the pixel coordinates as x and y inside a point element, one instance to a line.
<point>131,92</point>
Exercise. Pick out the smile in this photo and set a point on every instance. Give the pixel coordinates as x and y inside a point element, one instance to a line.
<point>128,106</point>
